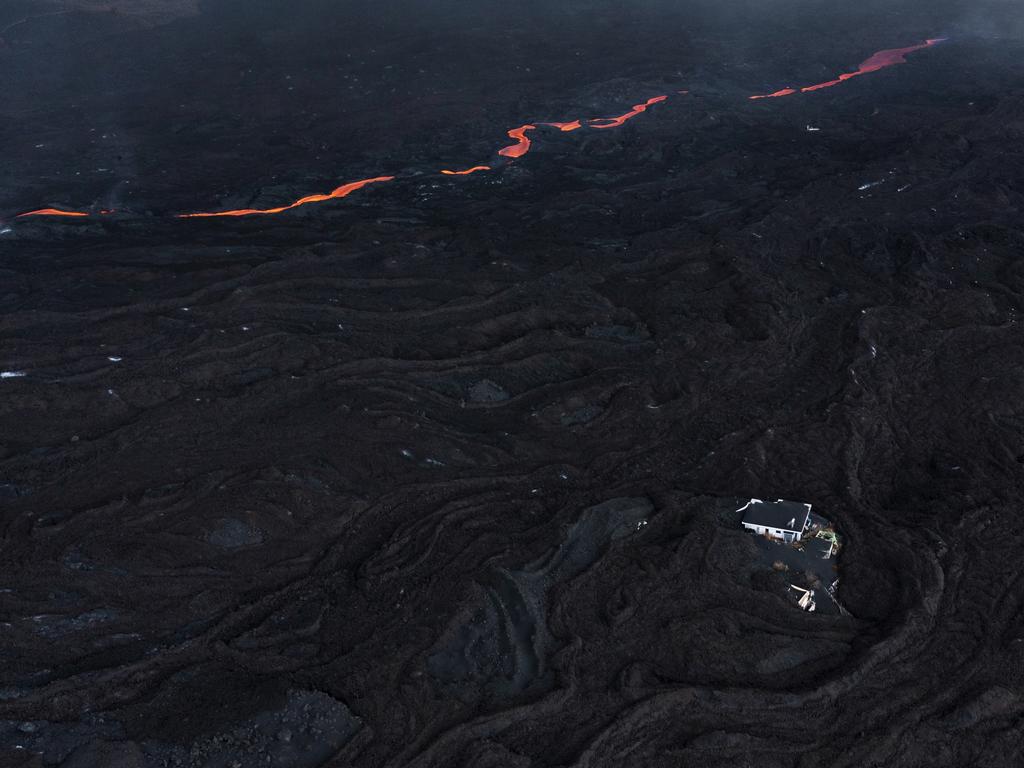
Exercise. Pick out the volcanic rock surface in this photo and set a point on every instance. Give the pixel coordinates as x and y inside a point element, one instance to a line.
<point>444,473</point>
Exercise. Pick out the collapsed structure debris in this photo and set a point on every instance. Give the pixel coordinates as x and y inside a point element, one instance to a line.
<point>806,599</point>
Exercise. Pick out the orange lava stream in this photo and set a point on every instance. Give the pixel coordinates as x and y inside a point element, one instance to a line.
<point>615,122</point>
<point>343,191</point>
<point>777,94</point>
<point>880,60</point>
<point>522,145</point>
<point>877,61</point>
<point>51,212</point>
<point>468,171</point>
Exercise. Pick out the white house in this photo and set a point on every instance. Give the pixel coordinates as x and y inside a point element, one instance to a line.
<point>784,520</point>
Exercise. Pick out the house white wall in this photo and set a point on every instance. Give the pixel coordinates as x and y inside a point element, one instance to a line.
<point>775,533</point>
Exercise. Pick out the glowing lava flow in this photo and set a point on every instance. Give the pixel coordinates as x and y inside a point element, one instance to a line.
<point>777,94</point>
<point>566,127</point>
<point>343,191</point>
<point>522,145</point>
<point>615,122</point>
<point>878,61</point>
<point>51,212</point>
<point>468,171</point>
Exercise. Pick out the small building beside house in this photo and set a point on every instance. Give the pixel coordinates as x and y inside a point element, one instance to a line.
<point>780,519</point>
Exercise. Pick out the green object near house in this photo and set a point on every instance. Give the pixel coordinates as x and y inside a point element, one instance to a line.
<point>828,535</point>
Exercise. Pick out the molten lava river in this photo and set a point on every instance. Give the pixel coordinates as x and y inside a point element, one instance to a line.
<point>523,142</point>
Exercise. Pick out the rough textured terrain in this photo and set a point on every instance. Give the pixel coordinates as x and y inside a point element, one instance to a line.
<point>443,474</point>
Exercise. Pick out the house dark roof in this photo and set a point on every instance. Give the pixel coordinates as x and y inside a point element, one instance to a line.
<point>785,515</point>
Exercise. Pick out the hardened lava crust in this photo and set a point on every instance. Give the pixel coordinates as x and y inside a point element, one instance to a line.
<point>443,471</point>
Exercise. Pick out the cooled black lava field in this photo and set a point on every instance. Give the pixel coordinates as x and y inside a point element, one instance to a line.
<point>441,470</point>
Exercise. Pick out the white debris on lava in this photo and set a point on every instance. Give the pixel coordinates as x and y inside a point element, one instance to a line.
<point>12,374</point>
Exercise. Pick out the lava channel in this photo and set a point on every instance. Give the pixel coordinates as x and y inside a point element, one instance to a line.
<point>880,60</point>
<point>343,191</point>
<point>615,122</point>
<point>777,94</point>
<point>566,127</point>
<point>51,212</point>
<point>522,145</point>
<point>468,171</point>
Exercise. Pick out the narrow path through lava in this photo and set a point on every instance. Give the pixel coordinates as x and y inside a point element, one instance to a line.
<point>523,143</point>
